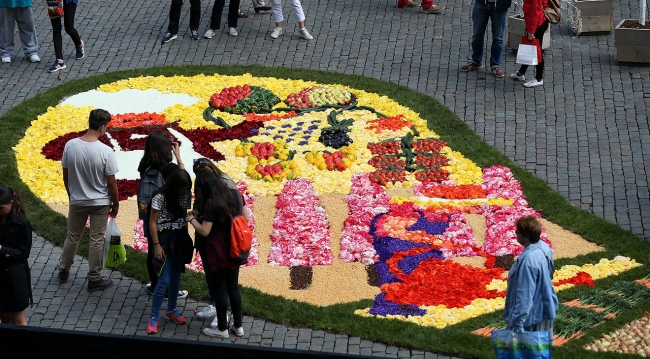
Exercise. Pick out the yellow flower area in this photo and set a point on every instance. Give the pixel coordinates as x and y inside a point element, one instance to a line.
<point>432,202</point>
<point>462,171</point>
<point>42,176</point>
<point>440,316</point>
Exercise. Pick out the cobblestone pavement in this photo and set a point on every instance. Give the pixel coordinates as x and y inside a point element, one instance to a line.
<point>585,132</point>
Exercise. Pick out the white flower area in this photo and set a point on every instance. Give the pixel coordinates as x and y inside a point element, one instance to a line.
<point>137,101</point>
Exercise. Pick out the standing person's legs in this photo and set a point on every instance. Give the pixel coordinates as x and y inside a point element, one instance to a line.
<point>77,216</point>
<point>7,21</point>
<point>15,318</point>
<point>68,22</point>
<point>217,10</point>
<point>58,39</point>
<point>174,16</point>
<point>161,289</point>
<point>153,276</point>
<point>539,34</point>
<point>232,283</point>
<point>233,13</point>
<point>195,14</point>
<point>298,13</point>
<point>97,231</point>
<point>480,17</point>
<point>174,281</point>
<point>498,20</point>
<point>219,278</point>
<point>200,244</point>
<point>27,30</point>
<point>276,10</point>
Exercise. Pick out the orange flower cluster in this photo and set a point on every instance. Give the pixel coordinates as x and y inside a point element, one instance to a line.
<point>130,120</point>
<point>581,278</point>
<point>271,117</point>
<point>388,123</point>
<point>468,191</point>
<point>437,281</point>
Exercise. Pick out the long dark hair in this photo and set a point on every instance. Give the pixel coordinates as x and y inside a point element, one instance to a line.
<point>203,165</point>
<point>217,197</point>
<point>178,179</point>
<point>157,149</point>
<point>6,196</point>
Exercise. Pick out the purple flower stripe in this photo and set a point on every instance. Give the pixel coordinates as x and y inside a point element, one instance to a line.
<point>312,128</point>
<point>277,137</point>
<point>286,125</point>
<point>300,123</point>
<point>386,246</point>
<point>433,228</point>
<point>282,131</point>
<point>254,130</point>
<point>270,127</point>
<point>315,121</point>
<point>306,137</point>
<point>383,307</point>
<point>288,140</point>
<point>408,264</point>
<point>384,275</point>
<point>302,143</point>
<point>297,128</point>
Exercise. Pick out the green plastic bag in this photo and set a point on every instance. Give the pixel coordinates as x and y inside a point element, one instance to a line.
<point>521,345</point>
<point>114,251</point>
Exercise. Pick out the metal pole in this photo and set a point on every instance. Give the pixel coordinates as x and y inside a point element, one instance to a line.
<point>642,11</point>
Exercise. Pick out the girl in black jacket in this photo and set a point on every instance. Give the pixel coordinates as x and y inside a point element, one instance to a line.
<point>15,244</point>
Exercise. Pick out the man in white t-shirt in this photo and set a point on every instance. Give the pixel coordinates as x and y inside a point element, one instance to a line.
<point>89,169</point>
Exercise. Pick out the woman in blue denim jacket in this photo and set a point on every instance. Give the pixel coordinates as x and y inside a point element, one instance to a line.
<point>531,301</point>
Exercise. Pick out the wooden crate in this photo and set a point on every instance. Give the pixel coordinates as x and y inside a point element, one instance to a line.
<point>517,29</point>
<point>631,45</point>
<point>596,15</point>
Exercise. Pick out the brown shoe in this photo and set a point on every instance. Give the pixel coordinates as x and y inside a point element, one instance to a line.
<point>414,3</point>
<point>497,72</point>
<point>241,15</point>
<point>99,285</point>
<point>262,8</point>
<point>63,276</point>
<point>470,67</point>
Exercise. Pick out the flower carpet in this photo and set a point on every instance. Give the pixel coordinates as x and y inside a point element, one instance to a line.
<point>350,184</point>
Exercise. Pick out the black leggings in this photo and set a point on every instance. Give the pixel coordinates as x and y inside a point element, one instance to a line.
<point>69,11</point>
<point>539,69</point>
<point>217,10</point>
<point>226,284</point>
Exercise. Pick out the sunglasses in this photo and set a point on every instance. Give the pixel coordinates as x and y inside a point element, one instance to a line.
<point>199,163</point>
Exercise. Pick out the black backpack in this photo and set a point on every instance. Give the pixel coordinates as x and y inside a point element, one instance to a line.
<point>151,180</point>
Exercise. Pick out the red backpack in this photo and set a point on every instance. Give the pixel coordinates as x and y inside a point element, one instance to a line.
<point>241,236</point>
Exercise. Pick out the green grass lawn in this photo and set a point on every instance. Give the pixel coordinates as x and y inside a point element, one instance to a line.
<point>340,318</point>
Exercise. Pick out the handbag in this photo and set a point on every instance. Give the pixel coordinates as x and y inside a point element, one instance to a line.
<point>552,12</point>
<point>55,9</point>
<point>519,345</point>
<point>177,242</point>
<point>529,52</point>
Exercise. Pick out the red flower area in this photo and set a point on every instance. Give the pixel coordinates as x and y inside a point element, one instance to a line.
<point>581,278</point>
<point>432,175</point>
<point>428,145</point>
<point>271,117</point>
<point>130,120</point>
<point>454,192</point>
<point>53,150</point>
<point>430,160</point>
<point>127,143</point>
<point>437,281</point>
<point>127,188</point>
<point>202,137</point>
<point>388,123</point>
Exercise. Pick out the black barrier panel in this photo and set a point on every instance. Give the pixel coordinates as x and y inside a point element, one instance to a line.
<point>34,342</point>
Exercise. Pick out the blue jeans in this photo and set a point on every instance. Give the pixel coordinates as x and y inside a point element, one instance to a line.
<point>169,282</point>
<point>480,15</point>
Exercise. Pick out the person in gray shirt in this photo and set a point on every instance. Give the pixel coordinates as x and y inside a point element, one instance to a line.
<point>89,169</point>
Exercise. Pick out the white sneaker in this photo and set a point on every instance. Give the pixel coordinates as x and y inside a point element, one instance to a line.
<point>276,33</point>
<point>215,332</point>
<point>209,34</point>
<point>6,59</point>
<point>34,58</point>
<point>182,294</point>
<point>533,83</point>
<point>518,77</point>
<point>305,34</point>
<point>232,32</point>
<point>207,312</point>
<point>215,322</point>
<point>239,332</point>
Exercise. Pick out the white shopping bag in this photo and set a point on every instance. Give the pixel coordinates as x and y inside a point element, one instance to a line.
<point>527,54</point>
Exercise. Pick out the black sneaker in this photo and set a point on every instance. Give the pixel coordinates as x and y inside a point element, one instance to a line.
<point>195,35</point>
<point>168,37</point>
<point>80,51</point>
<point>149,288</point>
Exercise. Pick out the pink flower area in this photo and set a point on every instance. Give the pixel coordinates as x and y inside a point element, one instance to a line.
<point>254,255</point>
<point>139,240</point>
<point>301,235</point>
<point>366,199</point>
<point>460,233</point>
<point>500,237</point>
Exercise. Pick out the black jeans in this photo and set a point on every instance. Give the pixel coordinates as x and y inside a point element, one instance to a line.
<point>175,15</point>
<point>217,10</point>
<point>200,246</point>
<point>69,11</point>
<point>539,69</point>
<point>153,276</point>
<point>226,282</point>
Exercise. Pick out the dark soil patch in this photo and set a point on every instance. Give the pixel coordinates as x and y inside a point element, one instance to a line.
<point>373,276</point>
<point>634,24</point>
<point>300,277</point>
